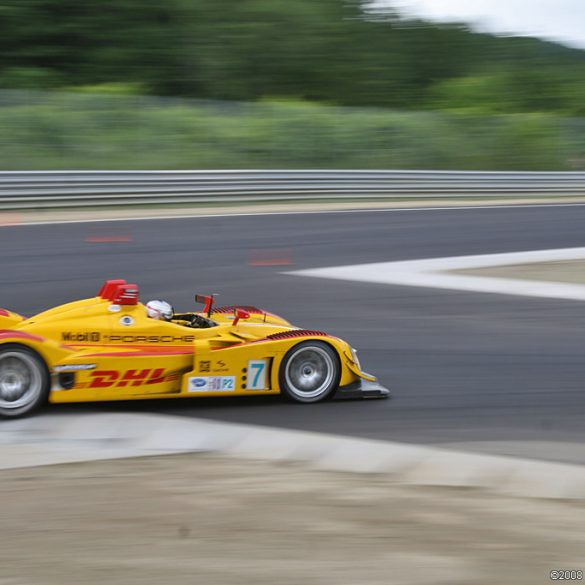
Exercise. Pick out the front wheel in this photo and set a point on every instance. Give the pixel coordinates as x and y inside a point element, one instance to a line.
<point>24,381</point>
<point>309,372</point>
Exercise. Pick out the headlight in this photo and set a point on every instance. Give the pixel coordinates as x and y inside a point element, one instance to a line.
<point>356,359</point>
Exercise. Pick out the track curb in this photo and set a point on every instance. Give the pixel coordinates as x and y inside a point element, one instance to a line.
<point>52,217</point>
<point>58,439</point>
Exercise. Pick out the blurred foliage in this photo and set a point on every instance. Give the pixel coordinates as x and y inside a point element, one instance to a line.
<point>278,84</point>
<point>110,88</point>
<point>53,130</point>
<point>333,51</point>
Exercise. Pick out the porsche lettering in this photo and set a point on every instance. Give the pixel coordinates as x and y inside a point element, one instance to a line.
<point>151,338</point>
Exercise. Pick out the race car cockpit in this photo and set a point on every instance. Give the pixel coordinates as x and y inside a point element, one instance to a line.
<point>193,320</point>
<point>163,311</point>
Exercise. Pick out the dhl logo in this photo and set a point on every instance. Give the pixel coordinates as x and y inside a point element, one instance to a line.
<point>109,378</point>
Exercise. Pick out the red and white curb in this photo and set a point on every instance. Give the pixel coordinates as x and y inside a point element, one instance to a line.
<point>55,438</point>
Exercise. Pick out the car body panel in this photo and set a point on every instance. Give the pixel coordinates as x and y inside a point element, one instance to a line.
<point>107,348</point>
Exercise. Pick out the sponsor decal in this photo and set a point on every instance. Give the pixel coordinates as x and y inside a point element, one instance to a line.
<point>97,337</point>
<point>126,321</point>
<point>219,366</point>
<point>212,384</point>
<point>75,367</point>
<point>110,378</point>
<point>93,336</point>
<point>151,338</point>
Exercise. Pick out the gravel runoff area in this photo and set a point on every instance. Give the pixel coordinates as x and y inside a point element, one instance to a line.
<point>189,519</point>
<point>17,217</point>
<point>566,271</point>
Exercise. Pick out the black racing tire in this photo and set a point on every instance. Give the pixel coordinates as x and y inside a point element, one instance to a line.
<point>309,372</point>
<point>24,381</point>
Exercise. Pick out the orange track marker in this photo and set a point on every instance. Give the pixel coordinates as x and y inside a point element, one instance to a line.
<point>270,258</point>
<point>107,239</point>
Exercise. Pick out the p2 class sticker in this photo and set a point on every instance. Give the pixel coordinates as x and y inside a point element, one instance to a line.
<point>126,321</point>
<point>212,384</point>
<point>256,375</point>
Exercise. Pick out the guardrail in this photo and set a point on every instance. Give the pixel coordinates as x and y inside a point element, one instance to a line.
<point>60,189</point>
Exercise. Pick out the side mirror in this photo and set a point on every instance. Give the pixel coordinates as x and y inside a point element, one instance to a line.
<point>240,314</point>
<point>207,300</point>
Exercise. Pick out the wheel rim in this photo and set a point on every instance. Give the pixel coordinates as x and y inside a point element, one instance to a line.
<point>309,372</point>
<point>20,380</point>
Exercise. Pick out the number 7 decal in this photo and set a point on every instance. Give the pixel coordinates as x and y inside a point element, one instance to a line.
<point>256,375</point>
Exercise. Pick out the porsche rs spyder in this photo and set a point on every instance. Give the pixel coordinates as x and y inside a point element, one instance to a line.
<point>108,348</point>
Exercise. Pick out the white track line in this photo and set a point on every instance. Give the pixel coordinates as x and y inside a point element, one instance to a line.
<point>433,273</point>
<point>271,213</point>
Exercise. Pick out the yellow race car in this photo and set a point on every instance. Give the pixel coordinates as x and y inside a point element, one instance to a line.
<point>112,347</point>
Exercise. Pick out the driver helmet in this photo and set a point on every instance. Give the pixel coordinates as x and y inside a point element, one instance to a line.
<point>160,310</point>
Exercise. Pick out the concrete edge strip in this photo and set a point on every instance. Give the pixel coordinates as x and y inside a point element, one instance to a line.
<point>18,218</point>
<point>57,439</point>
<point>433,273</point>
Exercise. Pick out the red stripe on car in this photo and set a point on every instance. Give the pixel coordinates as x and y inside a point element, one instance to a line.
<point>137,354</point>
<point>8,333</point>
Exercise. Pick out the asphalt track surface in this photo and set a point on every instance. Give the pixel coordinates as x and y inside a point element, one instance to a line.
<point>483,372</point>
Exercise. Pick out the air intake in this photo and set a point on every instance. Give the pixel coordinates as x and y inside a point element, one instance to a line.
<point>232,309</point>
<point>126,294</point>
<point>296,333</point>
<point>109,289</point>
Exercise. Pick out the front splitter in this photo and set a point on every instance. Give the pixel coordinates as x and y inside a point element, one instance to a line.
<point>361,389</point>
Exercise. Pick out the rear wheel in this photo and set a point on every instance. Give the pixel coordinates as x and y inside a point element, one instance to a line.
<point>24,381</point>
<point>309,372</point>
